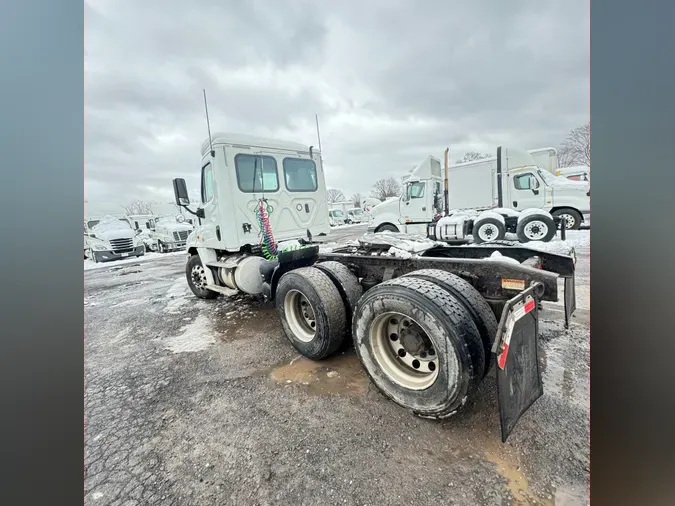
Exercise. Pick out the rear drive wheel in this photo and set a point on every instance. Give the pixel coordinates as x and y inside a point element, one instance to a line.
<point>347,284</point>
<point>535,227</point>
<point>488,230</point>
<point>419,346</point>
<point>196,278</point>
<point>387,227</point>
<point>572,218</point>
<point>311,311</point>
<point>473,302</point>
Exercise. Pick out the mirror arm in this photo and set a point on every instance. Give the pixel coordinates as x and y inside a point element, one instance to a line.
<point>199,213</point>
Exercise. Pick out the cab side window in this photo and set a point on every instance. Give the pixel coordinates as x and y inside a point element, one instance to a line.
<point>416,190</point>
<point>522,182</point>
<point>207,183</point>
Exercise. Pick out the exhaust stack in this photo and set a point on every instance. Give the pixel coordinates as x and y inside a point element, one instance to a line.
<point>445,182</point>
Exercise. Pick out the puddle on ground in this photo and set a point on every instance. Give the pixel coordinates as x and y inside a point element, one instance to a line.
<point>233,325</point>
<point>341,374</point>
<point>509,468</point>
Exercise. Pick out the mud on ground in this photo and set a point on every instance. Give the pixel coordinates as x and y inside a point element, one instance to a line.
<point>205,402</point>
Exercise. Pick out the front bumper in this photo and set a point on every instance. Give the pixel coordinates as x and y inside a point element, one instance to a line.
<point>174,246</point>
<point>109,256</point>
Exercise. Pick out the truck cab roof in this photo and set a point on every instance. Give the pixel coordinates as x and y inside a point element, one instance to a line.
<point>232,139</point>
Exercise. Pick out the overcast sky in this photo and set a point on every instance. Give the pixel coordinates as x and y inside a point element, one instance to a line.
<point>391,80</point>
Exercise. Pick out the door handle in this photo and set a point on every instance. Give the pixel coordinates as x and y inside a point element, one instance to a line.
<point>407,203</point>
<point>306,208</point>
<point>515,203</point>
<point>424,208</point>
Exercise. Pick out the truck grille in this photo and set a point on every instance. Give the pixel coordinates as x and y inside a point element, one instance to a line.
<point>122,245</point>
<point>181,236</point>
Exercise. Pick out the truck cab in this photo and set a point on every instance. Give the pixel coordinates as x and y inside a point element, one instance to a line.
<point>419,203</point>
<point>109,238</point>
<point>355,214</point>
<point>336,217</point>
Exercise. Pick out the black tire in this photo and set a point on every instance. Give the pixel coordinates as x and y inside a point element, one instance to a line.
<point>521,229</point>
<point>192,267</point>
<point>160,247</point>
<point>473,302</point>
<point>387,227</point>
<point>347,284</point>
<point>327,334</point>
<point>489,224</point>
<point>448,326</point>
<point>572,214</point>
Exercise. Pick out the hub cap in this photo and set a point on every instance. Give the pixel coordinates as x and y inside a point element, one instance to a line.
<point>198,277</point>
<point>569,220</point>
<point>488,232</point>
<point>300,316</point>
<point>535,230</point>
<point>404,351</point>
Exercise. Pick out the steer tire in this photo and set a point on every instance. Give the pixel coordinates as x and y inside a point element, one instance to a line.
<point>387,227</point>
<point>574,214</point>
<point>473,302</point>
<point>488,223</point>
<point>544,219</point>
<point>450,330</point>
<point>194,274</point>
<point>313,287</point>
<point>347,284</point>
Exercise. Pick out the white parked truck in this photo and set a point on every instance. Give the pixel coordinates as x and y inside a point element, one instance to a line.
<point>368,203</point>
<point>170,233</point>
<point>336,217</point>
<point>110,238</point>
<point>507,193</point>
<point>350,213</point>
<point>427,327</point>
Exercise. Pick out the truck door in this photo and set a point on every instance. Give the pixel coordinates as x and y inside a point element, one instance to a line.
<point>526,191</point>
<point>210,230</point>
<point>414,204</point>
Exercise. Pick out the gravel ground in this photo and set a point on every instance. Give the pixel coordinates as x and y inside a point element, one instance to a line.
<point>205,402</point>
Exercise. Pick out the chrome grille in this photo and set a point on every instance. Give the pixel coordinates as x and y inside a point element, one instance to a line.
<point>122,245</point>
<point>181,236</point>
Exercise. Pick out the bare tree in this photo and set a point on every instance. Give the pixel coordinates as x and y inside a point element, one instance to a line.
<point>385,188</point>
<point>356,198</point>
<point>138,207</point>
<point>471,156</point>
<point>576,148</point>
<point>334,195</point>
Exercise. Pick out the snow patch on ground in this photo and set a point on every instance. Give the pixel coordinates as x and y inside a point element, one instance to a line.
<point>129,302</point>
<point>348,226</point>
<point>195,336</point>
<point>177,295</point>
<point>90,264</point>
<point>577,239</point>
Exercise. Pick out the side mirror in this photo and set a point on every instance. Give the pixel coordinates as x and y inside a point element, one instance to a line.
<point>534,182</point>
<point>180,192</point>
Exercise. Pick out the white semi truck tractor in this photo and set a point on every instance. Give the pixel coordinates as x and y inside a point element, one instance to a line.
<point>426,327</point>
<point>484,200</point>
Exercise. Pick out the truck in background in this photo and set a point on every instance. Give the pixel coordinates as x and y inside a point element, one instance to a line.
<point>110,238</point>
<point>547,159</point>
<point>351,214</point>
<point>336,217</point>
<point>505,192</point>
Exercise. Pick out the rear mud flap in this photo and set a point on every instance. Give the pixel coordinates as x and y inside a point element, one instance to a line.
<point>519,381</point>
<point>570,296</point>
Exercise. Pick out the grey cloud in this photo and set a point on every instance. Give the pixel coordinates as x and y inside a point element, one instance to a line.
<point>392,81</point>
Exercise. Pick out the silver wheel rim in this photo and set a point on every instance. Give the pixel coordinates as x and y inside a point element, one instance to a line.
<point>535,230</point>
<point>488,232</point>
<point>300,316</point>
<point>569,220</point>
<point>403,351</point>
<point>198,277</point>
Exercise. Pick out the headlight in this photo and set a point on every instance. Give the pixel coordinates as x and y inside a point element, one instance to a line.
<point>99,247</point>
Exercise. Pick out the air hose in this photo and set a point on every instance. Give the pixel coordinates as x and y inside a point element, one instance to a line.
<point>269,245</point>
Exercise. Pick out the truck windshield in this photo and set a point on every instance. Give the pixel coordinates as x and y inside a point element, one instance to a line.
<point>336,213</point>
<point>92,223</point>
<point>356,212</point>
